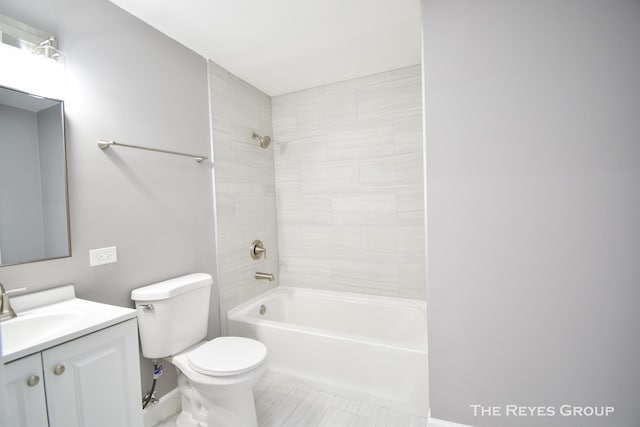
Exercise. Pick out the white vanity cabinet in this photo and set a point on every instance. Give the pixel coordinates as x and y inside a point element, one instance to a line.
<point>88,381</point>
<point>25,392</point>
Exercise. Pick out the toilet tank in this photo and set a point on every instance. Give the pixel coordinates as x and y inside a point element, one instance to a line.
<point>173,314</point>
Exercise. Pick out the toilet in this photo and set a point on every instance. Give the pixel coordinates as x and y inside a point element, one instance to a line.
<point>215,377</point>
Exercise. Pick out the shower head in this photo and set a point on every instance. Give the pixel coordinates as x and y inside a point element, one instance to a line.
<point>263,140</point>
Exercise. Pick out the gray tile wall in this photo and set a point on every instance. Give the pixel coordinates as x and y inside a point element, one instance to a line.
<point>245,188</point>
<point>349,185</point>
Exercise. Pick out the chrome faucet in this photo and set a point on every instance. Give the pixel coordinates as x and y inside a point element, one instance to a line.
<point>267,276</point>
<point>6,312</point>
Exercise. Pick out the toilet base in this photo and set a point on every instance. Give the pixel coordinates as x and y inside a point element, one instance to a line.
<point>237,410</point>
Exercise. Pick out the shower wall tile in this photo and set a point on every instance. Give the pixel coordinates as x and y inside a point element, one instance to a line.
<point>349,185</point>
<point>225,207</point>
<point>411,207</point>
<point>399,172</point>
<point>341,107</point>
<point>407,132</point>
<point>287,173</point>
<point>411,279</point>
<point>330,242</point>
<point>329,177</point>
<point>305,272</point>
<point>365,208</point>
<point>395,244</point>
<point>397,97</point>
<point>356,142</point>
<point>307,148</point>
<point>290,242</point>
<point>366,277</point>
<point>241,286</point>
<point>295,208</point>
<point>245,188</point>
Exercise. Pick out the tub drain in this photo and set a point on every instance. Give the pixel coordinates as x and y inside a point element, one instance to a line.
<point>263,309</point>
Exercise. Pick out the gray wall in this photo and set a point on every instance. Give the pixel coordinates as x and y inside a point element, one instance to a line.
<point>126,81</point>
<point>533,191</point>
<point>21,224</point>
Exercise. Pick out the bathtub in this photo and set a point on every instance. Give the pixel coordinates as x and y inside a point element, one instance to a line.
<point>366,347</point>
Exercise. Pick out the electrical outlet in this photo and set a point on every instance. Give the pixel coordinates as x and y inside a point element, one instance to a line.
<point>103,256</point>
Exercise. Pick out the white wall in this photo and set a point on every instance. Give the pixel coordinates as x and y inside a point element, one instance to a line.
<point>533,190</point>
<point>245,188</point>
<point>349,185</point>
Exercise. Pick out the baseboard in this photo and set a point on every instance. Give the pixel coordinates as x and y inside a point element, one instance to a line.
<point>167,406</point>
<point>434,422</point>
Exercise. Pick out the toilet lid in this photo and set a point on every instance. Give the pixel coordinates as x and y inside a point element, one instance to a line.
<point>227,356</point>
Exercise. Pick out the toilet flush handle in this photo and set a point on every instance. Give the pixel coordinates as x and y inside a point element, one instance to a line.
<point>145,306</point>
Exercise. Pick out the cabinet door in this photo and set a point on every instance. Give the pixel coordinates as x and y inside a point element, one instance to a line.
<point>95,380</point>
<point>25,393</point>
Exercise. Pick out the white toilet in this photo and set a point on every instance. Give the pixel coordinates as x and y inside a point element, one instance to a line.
<point>215,377</point>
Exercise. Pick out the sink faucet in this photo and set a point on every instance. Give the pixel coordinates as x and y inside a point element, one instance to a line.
<point>6,312</point>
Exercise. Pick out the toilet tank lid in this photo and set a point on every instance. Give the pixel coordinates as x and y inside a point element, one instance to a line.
<point>172,287</point>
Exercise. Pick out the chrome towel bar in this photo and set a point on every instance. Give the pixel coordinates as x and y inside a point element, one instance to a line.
<point>106,144</point>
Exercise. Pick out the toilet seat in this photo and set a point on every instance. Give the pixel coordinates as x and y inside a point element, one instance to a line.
<point>225,356</point>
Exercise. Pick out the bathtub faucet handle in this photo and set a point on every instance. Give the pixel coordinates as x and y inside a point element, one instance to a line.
<point>257,250</point>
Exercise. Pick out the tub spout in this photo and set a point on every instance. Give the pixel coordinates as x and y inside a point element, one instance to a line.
<point>266,276</point>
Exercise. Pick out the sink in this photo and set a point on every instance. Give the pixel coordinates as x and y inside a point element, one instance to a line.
<point>29,329</point>
<point>52,317</point>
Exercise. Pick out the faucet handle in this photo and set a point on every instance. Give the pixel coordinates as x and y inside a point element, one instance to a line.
<point>6,312</point>
<point>257,250</point>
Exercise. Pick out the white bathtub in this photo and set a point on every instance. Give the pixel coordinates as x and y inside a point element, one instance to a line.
<point>363,346</point>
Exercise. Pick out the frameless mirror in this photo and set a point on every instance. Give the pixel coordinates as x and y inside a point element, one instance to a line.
<point>34,222</point>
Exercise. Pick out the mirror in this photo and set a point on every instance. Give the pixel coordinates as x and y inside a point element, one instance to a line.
<point>34,221</point>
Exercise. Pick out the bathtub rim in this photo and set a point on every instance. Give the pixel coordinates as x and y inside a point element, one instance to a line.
<point>241,313</point>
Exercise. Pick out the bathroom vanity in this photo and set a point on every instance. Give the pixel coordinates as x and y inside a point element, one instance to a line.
<point>70,362</point>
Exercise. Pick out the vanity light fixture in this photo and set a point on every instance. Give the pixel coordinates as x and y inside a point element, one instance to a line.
<point>31,60</point>
<point>49,49</point>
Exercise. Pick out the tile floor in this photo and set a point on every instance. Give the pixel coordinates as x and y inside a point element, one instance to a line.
<point>281,402</point>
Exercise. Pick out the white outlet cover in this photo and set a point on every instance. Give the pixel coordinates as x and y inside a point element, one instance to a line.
<point>103,256</point>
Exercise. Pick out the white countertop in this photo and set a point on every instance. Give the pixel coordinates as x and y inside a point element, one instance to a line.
<point>52,317</point>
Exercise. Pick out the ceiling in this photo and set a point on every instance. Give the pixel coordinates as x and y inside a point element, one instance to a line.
<point>282,46</point>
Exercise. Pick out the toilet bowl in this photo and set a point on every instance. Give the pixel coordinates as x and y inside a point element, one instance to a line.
<point>216,380</point>
<point>215,377</point>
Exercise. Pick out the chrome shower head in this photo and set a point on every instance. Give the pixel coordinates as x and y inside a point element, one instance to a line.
<point>263,140</point>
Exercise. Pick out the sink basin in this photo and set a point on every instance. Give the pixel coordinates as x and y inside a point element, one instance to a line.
<point>29,329</point>
<point>52,317</point>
